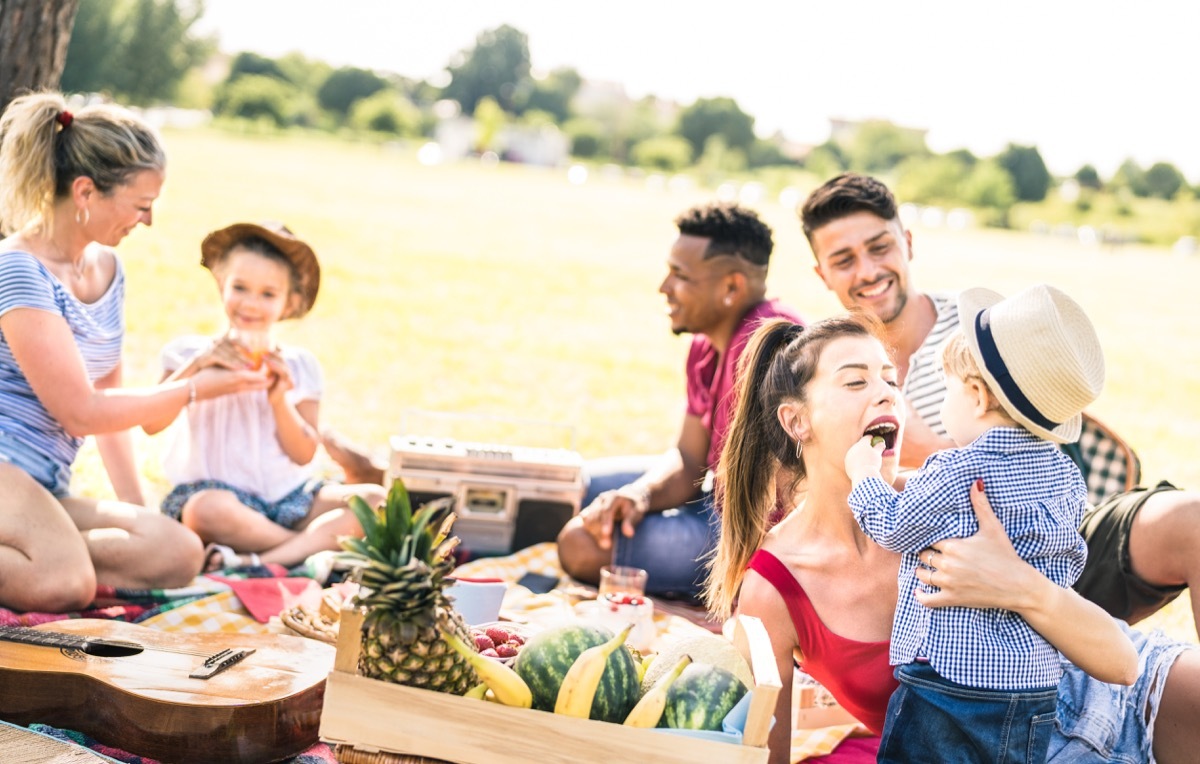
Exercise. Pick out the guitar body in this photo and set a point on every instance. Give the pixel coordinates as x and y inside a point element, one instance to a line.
<point>263,708</point>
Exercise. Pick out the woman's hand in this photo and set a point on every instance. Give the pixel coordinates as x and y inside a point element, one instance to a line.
<point>223,353</point>
<point>980,571</point>
<point>213,381</point>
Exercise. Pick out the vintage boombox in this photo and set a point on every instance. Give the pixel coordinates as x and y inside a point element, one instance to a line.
<point>506,497</point>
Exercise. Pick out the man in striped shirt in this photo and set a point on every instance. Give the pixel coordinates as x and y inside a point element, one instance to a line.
<point>1143,545</point>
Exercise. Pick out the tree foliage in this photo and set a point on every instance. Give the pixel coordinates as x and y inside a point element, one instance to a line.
<point>1031,179</point>
<point>879,146</point>
<point>497,67</point>
<point>1163,180</point>
<point>247,62</point>
<point>345,86</point>
<point>138,50</point>
<point>258,97</point>
<point>709,117</point>
<point>667,152</point>
<point>386,112</point>
<point>1088,177</point>
<point>553,93</point>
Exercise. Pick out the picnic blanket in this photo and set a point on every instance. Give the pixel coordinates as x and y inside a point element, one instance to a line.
<point>241,600</point>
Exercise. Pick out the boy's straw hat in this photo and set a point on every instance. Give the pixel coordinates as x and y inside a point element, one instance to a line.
<point>303,259</point>
<point>1038,353</point>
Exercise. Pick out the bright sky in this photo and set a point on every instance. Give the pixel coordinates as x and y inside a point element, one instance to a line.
<point>1083,81</point>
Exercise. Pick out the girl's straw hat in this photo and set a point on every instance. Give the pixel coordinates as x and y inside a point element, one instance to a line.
<point>215,246</point>
<point>1038,353</point>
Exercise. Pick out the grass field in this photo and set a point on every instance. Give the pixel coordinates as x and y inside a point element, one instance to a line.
<point>508,291</point>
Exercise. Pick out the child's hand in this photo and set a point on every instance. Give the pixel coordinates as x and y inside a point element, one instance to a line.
<point>864,460</point>
<point>280,376</point>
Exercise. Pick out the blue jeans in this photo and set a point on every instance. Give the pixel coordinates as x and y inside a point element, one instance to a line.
<point>931,718</point>
<point>53,476</point>
<point>669,545</point>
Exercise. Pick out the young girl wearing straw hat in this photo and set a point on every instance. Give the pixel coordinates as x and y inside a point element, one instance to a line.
<point>982,683</point>
<point>241,465</point>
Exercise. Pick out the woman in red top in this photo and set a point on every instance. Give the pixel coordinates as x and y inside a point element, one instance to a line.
<point>827,593</point>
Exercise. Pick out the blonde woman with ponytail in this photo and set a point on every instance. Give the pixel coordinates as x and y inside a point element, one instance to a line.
<point>827,593</point>
<point>72,187</point>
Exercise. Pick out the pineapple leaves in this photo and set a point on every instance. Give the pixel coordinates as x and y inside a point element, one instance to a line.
<point>365,515</point>
<point>399,506</point>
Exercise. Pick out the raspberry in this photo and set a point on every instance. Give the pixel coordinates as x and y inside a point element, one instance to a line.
<point>490,652</point>
<point>516,639</point>
<point>499,635</point>
<point>483,642</point>
<point>506,650</point>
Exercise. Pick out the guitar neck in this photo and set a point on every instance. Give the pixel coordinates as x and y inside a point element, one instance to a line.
<point>30,636</point>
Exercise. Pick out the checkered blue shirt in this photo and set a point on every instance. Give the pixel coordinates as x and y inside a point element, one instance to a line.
<point>1038,494</point>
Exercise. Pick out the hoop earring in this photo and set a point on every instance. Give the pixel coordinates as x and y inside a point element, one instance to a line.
<point>799,449</point>
<point>87,216</point>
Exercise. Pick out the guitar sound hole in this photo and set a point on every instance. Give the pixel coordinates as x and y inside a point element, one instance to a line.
<point>111,649</point>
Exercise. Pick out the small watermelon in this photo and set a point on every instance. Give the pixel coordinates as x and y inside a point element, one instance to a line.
<point>701,697</point>
<point>547,655</point>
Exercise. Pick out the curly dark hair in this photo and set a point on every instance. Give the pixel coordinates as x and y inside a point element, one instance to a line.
<point>844,195</point>
<point>731,230</point>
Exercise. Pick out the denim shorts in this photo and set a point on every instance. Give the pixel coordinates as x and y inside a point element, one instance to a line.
<point>670,546</point>
<point>1100,723</point>
<point>929,713</point>
<point>54,477</point>
<point>288,511</point>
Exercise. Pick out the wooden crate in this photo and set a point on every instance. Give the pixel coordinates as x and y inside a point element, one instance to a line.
<point>367,716</point>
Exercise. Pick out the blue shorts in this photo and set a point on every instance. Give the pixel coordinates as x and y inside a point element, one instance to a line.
<point>289,511</point>
<point>54,477</point>
<point>670,546</point>
<point>964,724</point>
<point>1100,722</point>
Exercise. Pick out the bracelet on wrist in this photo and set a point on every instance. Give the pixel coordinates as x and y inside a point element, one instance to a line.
<point>191,392</point>
<point>638,494</point>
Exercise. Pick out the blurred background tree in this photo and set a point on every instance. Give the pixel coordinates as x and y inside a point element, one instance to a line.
<point>34,35</point>
<point>497,67</point>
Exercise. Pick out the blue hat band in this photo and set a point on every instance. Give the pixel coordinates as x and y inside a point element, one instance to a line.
<point>999,371</point>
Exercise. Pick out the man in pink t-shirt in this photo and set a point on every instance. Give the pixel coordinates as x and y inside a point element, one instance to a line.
<point>654,509</point>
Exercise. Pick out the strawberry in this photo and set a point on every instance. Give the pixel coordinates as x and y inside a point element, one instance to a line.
<point>498,634</point>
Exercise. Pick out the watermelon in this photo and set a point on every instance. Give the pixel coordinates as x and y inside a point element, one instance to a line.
<point>547,655</point>
<point>701,697</point>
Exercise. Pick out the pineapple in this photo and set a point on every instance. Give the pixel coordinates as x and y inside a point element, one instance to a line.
<point>405,557</point>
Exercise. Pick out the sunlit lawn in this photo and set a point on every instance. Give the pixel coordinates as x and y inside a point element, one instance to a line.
<point>508,291</point>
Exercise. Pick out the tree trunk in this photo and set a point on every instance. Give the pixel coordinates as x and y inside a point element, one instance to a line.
<point>33,44</point>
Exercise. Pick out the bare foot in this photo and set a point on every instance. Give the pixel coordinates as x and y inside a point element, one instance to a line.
<point>357,465</point>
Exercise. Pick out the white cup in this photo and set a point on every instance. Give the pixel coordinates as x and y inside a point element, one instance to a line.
<point>478,600</point>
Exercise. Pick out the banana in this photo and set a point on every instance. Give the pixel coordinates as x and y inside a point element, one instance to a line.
<point>508,687</point>
<point>478,692</point>
<point>650,707</point>
<point>578,688</point>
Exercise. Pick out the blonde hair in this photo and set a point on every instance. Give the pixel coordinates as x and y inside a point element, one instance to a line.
<point>40,156</point>
<point>958,360</point>
<point>778,363</point>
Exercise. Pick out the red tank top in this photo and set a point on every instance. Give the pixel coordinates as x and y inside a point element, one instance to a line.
<point>856,673</point>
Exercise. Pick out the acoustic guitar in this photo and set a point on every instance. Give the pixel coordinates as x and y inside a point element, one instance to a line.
<point>180,698</point>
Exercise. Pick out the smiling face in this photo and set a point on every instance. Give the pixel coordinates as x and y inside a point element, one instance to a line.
<point>853,392</point>
<point>113,216</point>
<point>863,259</point>
<point>254,289</point>
<point>696,289</point>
